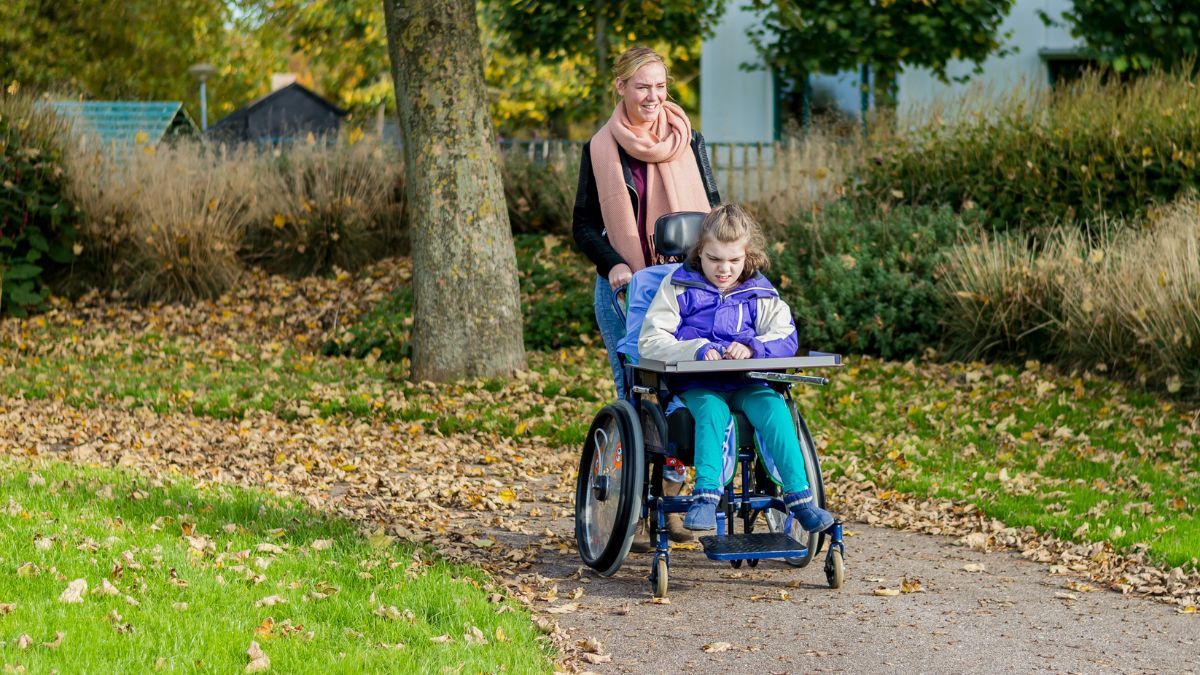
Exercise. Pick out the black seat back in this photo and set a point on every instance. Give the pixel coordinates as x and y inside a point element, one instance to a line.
<point>675,234</point>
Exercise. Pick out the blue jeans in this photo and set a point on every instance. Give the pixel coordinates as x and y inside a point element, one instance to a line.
<point>612,329</point>
<point>767,412</point>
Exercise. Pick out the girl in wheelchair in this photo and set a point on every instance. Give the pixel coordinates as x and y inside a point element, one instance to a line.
<point>718,305</point>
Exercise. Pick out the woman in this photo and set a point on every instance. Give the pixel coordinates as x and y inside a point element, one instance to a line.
<point>644,162</point>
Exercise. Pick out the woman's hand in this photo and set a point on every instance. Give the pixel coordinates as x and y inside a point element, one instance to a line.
<point>738,350</point>
<point>619,276</point>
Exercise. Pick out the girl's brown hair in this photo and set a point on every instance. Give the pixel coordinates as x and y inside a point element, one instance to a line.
<point>630,61</point>
<point>729,223</point>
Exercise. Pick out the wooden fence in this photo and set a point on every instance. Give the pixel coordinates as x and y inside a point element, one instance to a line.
<point>744,171</point>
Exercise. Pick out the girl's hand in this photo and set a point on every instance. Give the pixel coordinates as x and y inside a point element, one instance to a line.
<point>619,276</point>
<point>738,350</point>
<point>712,355</point>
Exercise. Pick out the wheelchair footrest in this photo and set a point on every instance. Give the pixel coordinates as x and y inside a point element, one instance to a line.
<point>752,546</point>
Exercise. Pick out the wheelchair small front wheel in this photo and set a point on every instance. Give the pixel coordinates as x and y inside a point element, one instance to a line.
<point>835,569</point>
<point>608,491</point>
<point>661,578</point>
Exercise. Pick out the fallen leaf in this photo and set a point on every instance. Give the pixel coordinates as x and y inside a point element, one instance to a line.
<point>106,588</point>
<point>258,659</point>
<point>441,639</point>
<point>56,642</point>
<point>321,544</point>
<point>74,591</point>
<point>974,567</point>
<point>1060,595</point>
<point>271,601</point>
<point>597,658</point>
<point>886,592</point>
<point>714,647</point>
<point>264,629</point>
<point>24,642</point>
<point>911,586</point>
<point>564,609</point>
<point>7,607</point>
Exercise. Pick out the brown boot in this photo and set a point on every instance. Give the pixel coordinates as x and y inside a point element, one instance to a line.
<point>641,538</point>
<point>676,532</point>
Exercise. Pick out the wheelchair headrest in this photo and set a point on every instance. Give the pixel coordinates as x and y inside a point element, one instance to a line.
<point>676,233</point>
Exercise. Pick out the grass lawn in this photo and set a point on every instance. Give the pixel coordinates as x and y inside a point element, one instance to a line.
<point>1081,457</point>
<point>184,579</point>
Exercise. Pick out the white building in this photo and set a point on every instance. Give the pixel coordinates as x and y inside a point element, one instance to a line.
<point>739,106</point>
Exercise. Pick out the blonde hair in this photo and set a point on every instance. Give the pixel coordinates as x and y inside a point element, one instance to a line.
<point>730,223</point>
<point>630,61</point>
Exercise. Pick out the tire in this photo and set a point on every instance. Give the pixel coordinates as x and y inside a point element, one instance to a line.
<point>661,578</point>
<point>835,569</point>
<point>608,490</point>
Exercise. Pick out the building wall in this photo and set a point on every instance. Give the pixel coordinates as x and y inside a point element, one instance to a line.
<point>736,106</point>
<point>739,106</point>
<point>918,86</point>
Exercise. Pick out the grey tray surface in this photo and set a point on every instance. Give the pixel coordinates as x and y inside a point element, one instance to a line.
<point>813,360</point>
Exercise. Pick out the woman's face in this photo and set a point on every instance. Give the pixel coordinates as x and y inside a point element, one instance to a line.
<point>722,263</point>
<point>644,93</point>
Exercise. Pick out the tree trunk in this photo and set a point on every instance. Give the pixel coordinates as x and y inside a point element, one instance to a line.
<point>467,307</point>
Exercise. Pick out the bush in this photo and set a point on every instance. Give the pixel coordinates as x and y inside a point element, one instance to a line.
<point>321,206</point>
<point>556,301</point>
<point>541,194</point>
<point>556,293</point>
<point>165,222</point>
<point>1098,147</point>
<point>37,220</point>
<point>861,279</point>
<point>1127,299</point>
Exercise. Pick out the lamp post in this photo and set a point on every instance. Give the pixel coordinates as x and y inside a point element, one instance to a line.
<point>201,71</point>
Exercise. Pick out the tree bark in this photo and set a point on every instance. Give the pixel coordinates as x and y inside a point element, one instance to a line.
<point>467,307</point>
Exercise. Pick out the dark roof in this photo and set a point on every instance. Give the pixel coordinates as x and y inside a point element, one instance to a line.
<point>242,114</point>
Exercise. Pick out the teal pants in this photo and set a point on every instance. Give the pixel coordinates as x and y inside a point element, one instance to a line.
<point>767,412</point>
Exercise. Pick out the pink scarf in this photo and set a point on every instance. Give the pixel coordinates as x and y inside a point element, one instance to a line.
<point>673,180</point>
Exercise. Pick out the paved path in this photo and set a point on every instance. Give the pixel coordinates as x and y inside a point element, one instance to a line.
<point>1005,619</point>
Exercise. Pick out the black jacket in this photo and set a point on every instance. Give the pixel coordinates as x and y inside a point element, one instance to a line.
<point>587,223</point>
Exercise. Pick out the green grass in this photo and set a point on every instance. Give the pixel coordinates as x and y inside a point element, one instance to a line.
<point>191,567</point>
<point>1027,447</point>
<point>225,379</point>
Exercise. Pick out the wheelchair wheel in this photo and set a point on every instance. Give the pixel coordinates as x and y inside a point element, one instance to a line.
<point>661,578</point>
<point>777,519</point>
<point>608,492</point>
<point>835,569</point>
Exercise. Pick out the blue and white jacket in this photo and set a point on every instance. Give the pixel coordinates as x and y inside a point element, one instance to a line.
<point>689,316</point>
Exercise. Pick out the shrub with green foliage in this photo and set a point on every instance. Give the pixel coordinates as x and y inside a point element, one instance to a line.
<point>862,280</point>
<point>37,222</point>
<point>1097,147</point>
<point>556,300</point>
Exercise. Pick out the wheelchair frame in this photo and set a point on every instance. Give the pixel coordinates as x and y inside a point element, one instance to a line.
<point>632,474</point>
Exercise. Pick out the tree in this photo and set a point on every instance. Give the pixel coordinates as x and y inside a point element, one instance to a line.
<point>139,49</point>
<point>1136,34</point>
<point>829,36</point>
<point>598,30</point>
<point>467,311</point>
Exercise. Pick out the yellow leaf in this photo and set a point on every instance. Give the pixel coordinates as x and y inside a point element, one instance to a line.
<point>508,496</point>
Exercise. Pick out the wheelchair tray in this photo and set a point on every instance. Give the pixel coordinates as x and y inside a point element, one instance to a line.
<point>813,360</point>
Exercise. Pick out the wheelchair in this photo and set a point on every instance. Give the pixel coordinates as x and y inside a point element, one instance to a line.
<point>632,439</point>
